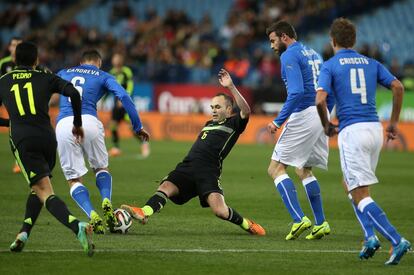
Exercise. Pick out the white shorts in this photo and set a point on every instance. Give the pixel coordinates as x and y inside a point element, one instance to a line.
<point>71,153</point>
<point>303,142</point>
<point>359,147</point>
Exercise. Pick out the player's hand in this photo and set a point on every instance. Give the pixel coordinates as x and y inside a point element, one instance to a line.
<point>271,127</point>
<point>78,133</point>
<point>225,78</point>
<point>392,132</point>
<point>331,130</point>
<point>143,135</point>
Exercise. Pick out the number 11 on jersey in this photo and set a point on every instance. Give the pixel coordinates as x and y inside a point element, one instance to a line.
<point>28,86</point>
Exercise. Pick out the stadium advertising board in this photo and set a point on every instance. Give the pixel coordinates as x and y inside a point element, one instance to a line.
<point>185,99</point>
<point>143,96</point>
<point>183,127</point>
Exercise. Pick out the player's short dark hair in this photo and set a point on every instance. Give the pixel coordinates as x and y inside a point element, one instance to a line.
<point>343,32</point>
<point>282,27</point>
<point>228,98</point>
<point>91,55</point>
<point>26,54</point>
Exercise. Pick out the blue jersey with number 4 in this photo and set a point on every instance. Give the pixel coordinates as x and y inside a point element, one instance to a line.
<point>300,70</point>
<point>92,83</point>
<point>352,79</point>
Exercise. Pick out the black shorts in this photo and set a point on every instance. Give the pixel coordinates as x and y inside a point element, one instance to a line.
<point>118,113</point>
<point>36,157</point>
<point>194,180</point>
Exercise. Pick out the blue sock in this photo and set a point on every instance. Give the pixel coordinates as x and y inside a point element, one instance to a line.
<point>80,195</point>
<point>314,196</point>
<point>104,184</point>
<point>371,209</point>
<point>365,222</point>
<point>287,191</point>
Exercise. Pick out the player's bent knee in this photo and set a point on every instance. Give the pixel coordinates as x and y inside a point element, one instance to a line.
<point>169,188</point>
<point>304,173</point>
<point>276,169</point>
<point>43,188</point>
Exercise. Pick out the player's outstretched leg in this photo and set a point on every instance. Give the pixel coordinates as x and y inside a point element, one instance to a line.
<point>153,205</point>
<point>104,184</point>
<point>80,195</point>
<point>217,204</point>
<point>33,208</point>
<point>400,245</point>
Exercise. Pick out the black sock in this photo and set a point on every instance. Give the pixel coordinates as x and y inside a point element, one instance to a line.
<point>234,217</point>
<point>33,208</point>
<point>115,138</point>
<point>157,201</point>
<point>60,211</point>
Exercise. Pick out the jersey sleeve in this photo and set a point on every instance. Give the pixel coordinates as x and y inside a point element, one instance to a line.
<point>112,86</point>
<point>57,83</point>
<point>384,77</point>
<point>239,123</point>
<point>325,79</point>
<point>294,86</point>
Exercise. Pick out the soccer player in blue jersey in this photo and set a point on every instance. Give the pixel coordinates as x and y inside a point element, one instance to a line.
<point>92,83</point>
<point>352,79</point>
<point>302,144</point>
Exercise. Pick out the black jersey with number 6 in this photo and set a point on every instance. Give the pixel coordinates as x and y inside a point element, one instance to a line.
<point>216,140</point>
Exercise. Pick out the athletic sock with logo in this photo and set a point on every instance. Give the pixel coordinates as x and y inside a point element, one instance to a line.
<point>104,184</point>
<point>313,193</point>
<point>289,196</point>
<point>80,195</point>
<point>365,222</point>
<point>33,208</point>
<point>155,203</point>
<point>59,210</point>
<point>370,208</point>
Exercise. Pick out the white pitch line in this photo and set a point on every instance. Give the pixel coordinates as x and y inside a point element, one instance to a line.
<point>200,251</point>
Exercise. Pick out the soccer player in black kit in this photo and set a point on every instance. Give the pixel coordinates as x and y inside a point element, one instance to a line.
<point>199,173</point>
<point>26,92</point>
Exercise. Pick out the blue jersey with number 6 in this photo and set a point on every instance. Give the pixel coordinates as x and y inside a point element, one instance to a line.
<point>352,79</point>
<point>300,70</point>
<point>92,83</point>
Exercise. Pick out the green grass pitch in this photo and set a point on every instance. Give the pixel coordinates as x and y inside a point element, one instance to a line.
<point>190,240</point>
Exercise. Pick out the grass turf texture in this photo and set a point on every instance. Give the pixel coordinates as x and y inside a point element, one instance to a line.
<point>190,240</point>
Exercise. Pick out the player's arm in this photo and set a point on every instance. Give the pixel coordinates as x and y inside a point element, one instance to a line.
<point>386,79</point>
<point>321,102</point>
<point>226,81</point>
<point>397,98</point>
<point>295,91</point>
<point>114,87</point>
<point>66,88</point>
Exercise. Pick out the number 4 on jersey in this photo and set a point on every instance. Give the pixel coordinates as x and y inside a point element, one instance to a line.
<point>362,89</point>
